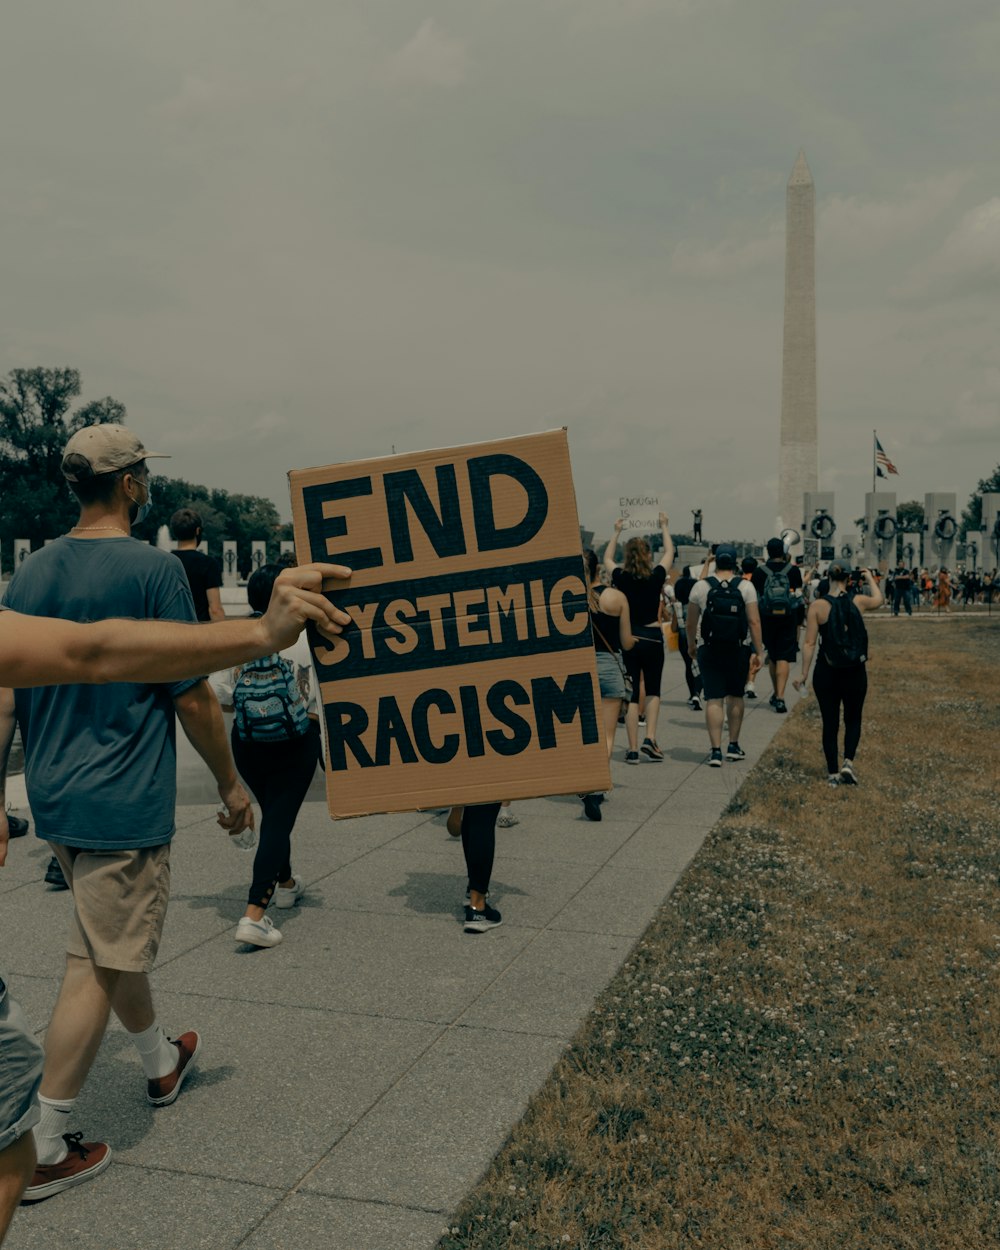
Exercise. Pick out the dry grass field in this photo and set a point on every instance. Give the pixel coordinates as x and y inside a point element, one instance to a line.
<point>802,1050</point>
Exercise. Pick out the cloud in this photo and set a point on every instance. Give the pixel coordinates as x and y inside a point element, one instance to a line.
<point>197,98</point>
<point>967,262</point>
<point>854,224</point>
<point>432,58</point>
<point>727,258</point>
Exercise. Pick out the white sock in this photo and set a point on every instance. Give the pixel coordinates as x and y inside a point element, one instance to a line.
<point>49,1130</point>
<point>158,1054</point>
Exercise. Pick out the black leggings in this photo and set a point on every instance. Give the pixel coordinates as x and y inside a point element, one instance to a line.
<point>834,686</point>
<point>645,660</point>
<point>479,843</point>
<point>278,775</point>
<point>693,681</point>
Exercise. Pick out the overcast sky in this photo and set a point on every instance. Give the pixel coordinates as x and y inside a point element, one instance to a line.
<point>290,232</point>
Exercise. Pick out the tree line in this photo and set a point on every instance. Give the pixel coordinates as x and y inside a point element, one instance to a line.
<point>37,417</point>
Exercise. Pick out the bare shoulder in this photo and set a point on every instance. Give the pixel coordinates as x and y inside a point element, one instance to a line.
<point>610,601</point>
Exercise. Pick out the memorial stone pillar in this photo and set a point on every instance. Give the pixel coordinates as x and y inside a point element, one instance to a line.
<point>22,549</point>
<point>230,574</point>
<point>819,525</point>
<point>258,555</point>
<point>940,530</point>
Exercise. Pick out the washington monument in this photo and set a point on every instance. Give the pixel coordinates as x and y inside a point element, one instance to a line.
<point>798,469</point>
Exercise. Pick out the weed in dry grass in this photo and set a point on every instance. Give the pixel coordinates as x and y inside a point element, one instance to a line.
<point>802,1050</point>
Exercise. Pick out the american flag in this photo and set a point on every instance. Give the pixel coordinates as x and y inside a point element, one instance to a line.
<point>883,465</point>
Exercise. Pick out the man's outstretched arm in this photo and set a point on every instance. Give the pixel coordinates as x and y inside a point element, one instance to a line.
<point>41,651</point>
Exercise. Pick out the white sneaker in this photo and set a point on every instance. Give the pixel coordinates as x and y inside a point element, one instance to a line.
<point>288,897</point>
<point>506,819</point>
<point>258,932</point>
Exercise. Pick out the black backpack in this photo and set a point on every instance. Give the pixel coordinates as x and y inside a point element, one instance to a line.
<point>776,599</point>
<point>724,621</point>
<point>845,638</point>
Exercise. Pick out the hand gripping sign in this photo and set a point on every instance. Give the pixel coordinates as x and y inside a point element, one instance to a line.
<point>468,673</point>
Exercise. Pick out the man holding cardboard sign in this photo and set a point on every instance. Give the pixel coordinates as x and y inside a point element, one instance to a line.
<point>469,673</point>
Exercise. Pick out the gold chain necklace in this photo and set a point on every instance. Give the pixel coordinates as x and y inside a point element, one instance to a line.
<point>84,528</point>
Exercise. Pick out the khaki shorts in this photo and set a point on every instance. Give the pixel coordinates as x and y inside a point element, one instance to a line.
<point>119,904</point>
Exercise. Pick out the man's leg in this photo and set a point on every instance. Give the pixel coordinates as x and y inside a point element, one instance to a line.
<point>17,1166</point>
<point>713,719</point>
<point>780,678</point>
<point>77,1026</point>
<point>734,712</point>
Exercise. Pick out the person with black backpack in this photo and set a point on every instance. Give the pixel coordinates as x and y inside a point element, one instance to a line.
<point>778,583</point>
<point>276,746</point>
<point>722,618</point>
<point>840,677</point>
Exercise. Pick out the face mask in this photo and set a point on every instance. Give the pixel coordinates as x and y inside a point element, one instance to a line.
<point>142,510</point>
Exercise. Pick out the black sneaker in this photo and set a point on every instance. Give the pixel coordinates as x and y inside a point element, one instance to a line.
<point>592,806</point>
<point>696,704</point>
<point>631,757</point>
<point>54,875</point>
<point>481,921</point>
<point>779,705</point>
<point>715,759</point>
<point>750,693</point>
<point>735,752</point>
<point>16,827</point>
<point>651,751</point>
<point>847,775</point>
<point>773,700</point>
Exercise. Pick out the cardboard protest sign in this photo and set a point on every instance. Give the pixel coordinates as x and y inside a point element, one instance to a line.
<point>468,674</point>
<point>641,514</point>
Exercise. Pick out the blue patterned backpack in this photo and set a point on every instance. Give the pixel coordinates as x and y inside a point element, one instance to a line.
<point>267,703</point>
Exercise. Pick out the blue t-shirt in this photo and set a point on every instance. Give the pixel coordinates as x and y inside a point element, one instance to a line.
<point>101,761</point>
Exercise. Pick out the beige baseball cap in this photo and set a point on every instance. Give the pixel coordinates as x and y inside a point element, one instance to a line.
<point>103,449</point>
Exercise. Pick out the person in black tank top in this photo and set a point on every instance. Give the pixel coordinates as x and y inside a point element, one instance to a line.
<point>612,631</point>
<point>642,585</point>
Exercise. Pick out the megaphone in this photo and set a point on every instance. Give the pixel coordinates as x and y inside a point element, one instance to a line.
<point>790,538</point>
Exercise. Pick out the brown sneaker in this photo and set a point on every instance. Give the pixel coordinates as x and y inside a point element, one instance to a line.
<point>84,1160</point>
<point>163,1090</point>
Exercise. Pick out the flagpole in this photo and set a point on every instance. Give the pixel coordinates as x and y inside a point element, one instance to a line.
<point>874,461</point>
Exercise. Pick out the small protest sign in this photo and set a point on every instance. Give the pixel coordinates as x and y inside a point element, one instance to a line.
<point>468,673</point>
<point>641,514</point>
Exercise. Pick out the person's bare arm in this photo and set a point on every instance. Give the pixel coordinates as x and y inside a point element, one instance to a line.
<point>8,720</point>
<point>809,644</point>
<point>667,558</point>
<point>216,612</point>
<point>693,616</point>
<point>873,597</point>
<point>612,548</point>
<point>753,620</point>
<point>41,651</point>
<point>201,719</point>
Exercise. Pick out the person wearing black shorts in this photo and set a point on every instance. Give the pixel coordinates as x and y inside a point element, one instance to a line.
<point>724,667</point>
<point>780,634</point>
<point>642,585</point>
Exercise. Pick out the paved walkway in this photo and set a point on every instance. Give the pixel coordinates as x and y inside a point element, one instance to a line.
<point>356,1081</point>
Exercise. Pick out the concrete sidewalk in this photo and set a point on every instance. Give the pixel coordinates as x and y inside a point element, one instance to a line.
<point>356,1081</point>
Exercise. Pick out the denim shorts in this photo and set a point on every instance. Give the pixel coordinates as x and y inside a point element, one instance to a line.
<point>609,674</point>
<point>20,1072</point>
